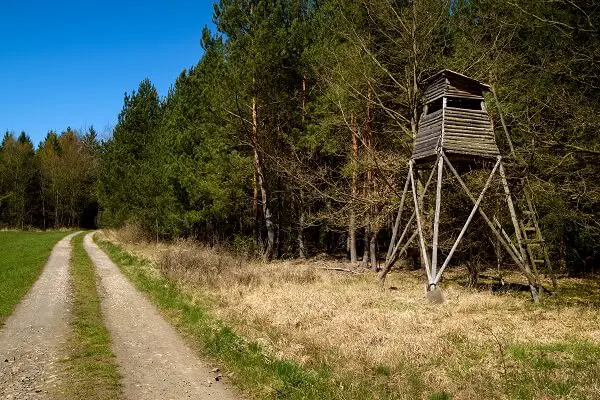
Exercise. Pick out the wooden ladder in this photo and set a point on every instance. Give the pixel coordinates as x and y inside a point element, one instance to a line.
<point>535,245</point>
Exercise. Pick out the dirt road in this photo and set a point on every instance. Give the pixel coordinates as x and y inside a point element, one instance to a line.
<point>154,361</point>
<point>31,340</point>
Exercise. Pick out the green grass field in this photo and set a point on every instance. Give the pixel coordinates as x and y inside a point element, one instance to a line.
<point>91,364</point>
<point>22,258</point>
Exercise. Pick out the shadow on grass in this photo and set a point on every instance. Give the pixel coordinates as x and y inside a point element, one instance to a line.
<point>570,291</point>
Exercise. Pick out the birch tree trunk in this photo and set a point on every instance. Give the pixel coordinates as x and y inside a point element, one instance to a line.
<point>373,250</point>
<point>268,253</point>
<point>365,259</point>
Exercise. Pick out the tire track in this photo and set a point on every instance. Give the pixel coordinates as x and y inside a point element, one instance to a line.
<point>154,361</point>
<point>34,335</point>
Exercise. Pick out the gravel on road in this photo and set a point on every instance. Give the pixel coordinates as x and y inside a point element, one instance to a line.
<point>153,359</point>
<point>34,335</point>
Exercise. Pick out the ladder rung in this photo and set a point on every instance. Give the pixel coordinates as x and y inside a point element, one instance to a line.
<point>539,261</point>
<point>533,241</point>
<point>529,229</point>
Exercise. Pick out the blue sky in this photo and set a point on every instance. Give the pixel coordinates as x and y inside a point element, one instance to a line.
<point>69,63</point>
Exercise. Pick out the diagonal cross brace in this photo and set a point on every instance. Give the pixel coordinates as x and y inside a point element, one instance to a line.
<point>467,223</point>
<point>419,225</point>
<point>391,258</point>
<point>516,258</point>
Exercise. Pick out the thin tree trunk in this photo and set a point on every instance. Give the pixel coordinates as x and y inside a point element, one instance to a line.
<point>301,217</point>
<point>365,259</point>
<point>353,190</point>
<point>373,251</point>
<point>56,213</point>
<point>301,223</point>
<point>301,246</point>
<point>370,235</point>
<point>43,207</point>
<point>268,253</point>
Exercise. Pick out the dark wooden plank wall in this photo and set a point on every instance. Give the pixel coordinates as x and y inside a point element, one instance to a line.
<point>436,89</point>
<point>451,88</point>
<point>466,132</point>
<point>428,135</point>
<point>469,132</point>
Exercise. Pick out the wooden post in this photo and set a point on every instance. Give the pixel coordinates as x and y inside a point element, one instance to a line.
<point>503,232</point>
<point>395,250</point>
<point>436,220</point>
<point>499,236</point>
<point>390,260</point>
<point>386,270</point>
<point>398,218</point>
<point>466,225</point>
<point>538,234</point>
<point>520,263</point>
<point>419,226</point>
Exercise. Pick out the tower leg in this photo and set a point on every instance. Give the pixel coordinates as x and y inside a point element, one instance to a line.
<point>506,243</point>
<point>467,223</point>
<point>436,221</point>
<point>424,254</point>
<point>396,250</point>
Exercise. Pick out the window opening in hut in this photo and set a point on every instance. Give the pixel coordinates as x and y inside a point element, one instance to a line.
<point>469,104</point>
<point>434,106</point>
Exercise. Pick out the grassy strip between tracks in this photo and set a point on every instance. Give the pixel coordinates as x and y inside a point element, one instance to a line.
<point>257,373</point>
<point>22,259</point>
<point>91,365</point>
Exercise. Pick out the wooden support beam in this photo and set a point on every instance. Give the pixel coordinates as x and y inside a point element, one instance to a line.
<point>387,268</point>
<point>398,219</point>
<point>392,259</point>
<point>505,234</point>
<point>506,134</point>
<point>539,234</point>
<point>466,225</point>
<point>436,221</point>
<point>419,225</point>
<point>513,217</point>
<point>396,252</point>
<point>520,263</point>
<point>499,236</point>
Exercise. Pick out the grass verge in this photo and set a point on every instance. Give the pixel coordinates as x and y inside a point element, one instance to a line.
<point>23,256</point>
<point>91,366</point>
<point>479,344</point>
<point>250,367</point>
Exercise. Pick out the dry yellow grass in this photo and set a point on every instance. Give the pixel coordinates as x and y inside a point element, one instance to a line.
<point>476,345</point>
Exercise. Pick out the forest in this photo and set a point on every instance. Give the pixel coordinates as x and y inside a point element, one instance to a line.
<point>291,135</point>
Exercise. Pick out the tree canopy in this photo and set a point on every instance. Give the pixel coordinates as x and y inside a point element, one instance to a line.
<point>291,134</point>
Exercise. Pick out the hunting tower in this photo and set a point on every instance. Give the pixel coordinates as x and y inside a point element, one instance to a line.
<point>455,129</point>
<point>454,120</point>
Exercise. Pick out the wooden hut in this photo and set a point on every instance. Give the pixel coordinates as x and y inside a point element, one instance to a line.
<point>455,128</point>
<point>454,120</point>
